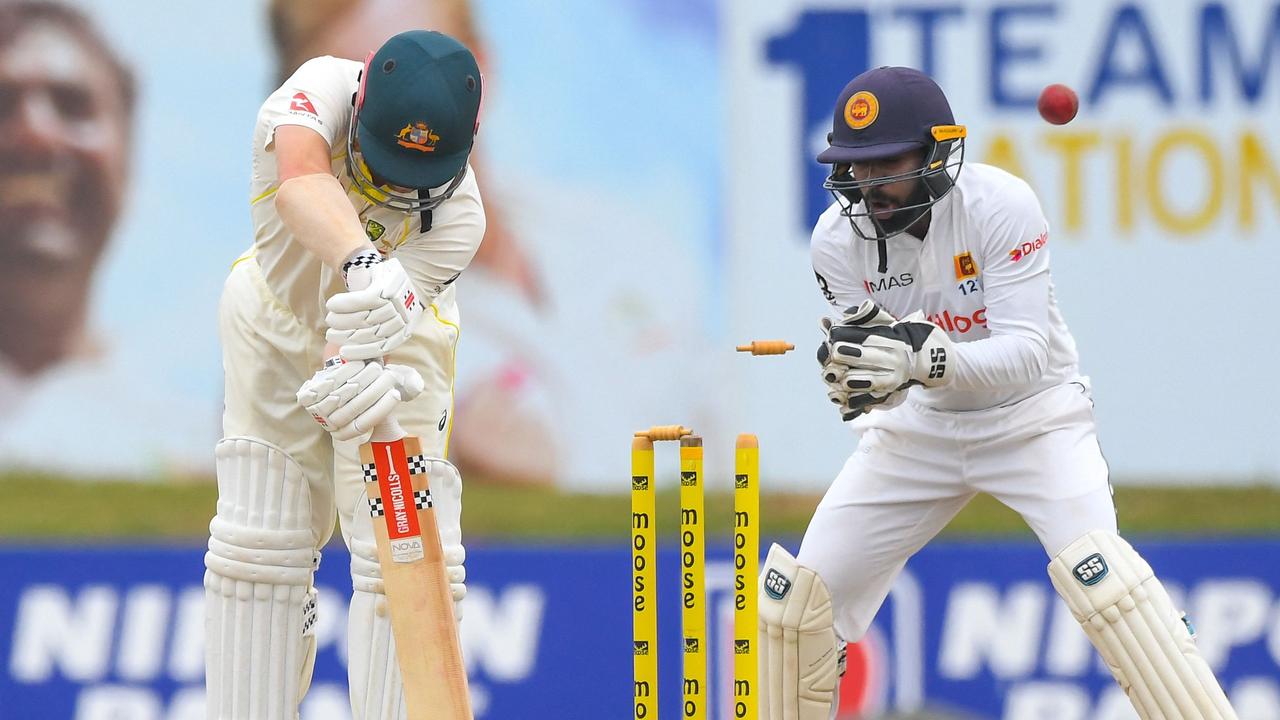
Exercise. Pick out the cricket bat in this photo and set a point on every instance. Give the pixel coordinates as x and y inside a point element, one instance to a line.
<point>414,574</point>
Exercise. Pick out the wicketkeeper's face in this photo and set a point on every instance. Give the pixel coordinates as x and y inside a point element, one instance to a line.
<point>885,199</point>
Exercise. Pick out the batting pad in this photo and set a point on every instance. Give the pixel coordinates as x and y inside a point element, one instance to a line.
<point>259,600</point>
<point>1130,619</point>
<point>799,651</point>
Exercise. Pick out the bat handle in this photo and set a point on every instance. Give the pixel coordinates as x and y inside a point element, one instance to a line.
<point>388,430</point>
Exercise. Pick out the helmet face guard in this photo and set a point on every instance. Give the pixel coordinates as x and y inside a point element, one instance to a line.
<point>939,171</point>
<point>382,195</point>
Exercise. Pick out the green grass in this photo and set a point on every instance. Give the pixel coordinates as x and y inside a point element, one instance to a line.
<point>50,507</point>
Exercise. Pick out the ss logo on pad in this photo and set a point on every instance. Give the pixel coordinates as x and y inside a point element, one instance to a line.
<point>1090,570</point>
<point>775,585</point>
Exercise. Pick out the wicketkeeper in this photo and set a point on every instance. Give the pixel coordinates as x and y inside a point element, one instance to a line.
<point>365,211</point>
<point>949,351</point>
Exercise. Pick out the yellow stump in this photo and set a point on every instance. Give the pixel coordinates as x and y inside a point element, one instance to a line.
<point>746,557</point>
<point>692,583</point>
<point>644,563</point>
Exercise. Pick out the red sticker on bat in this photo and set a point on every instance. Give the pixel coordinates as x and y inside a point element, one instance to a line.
<point>400,511</point>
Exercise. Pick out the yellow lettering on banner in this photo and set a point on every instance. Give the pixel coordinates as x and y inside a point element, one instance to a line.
<point>1169,218</point>
<point>1004,154</point>
<point>1255,164</point>
<point>1123,187</point>
<point>1175,181</point>
<point>1072,146</point>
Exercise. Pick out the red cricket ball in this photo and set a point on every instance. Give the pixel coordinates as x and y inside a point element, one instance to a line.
<point>1058,104</point>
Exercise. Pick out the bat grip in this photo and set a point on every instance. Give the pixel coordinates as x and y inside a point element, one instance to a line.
<point>388,430</point>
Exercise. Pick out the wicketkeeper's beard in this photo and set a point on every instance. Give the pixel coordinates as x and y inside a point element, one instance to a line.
<point>909,211</point>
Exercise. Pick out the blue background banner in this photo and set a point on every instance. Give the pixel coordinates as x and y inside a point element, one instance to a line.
<point>99,633</point>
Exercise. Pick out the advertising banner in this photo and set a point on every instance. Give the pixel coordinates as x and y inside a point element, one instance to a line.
<point>972,629</point>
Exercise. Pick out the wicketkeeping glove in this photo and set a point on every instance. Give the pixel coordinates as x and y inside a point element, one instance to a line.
<point>377,313</point>
<point>854,403</point>
<point>882,359</point>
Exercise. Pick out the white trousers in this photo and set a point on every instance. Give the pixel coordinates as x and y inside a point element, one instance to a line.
<point>916,467</point>
<point>267,354</point>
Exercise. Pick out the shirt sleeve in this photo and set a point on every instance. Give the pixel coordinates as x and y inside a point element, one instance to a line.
<point>316,96</point>
<point>834,265</point>
<point>436,258</point>
<point>1016,288</point>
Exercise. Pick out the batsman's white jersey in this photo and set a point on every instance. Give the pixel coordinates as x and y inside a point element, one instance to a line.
<point>1016,422</point>
<point>273,303</point>
<point>318,96</point>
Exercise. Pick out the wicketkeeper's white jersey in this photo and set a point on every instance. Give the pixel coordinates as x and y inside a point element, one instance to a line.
<point>319,96</point>
<point>981,273</point>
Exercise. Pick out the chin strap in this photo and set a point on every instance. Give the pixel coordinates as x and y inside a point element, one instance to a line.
<point>425,215</point>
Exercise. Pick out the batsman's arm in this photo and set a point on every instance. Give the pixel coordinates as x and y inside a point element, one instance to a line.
<point>310,200</point>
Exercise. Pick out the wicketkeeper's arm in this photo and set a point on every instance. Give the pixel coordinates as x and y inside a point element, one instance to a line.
<point>1017,291</point>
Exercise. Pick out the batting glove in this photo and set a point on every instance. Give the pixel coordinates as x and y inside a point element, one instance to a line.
<point>349,398</point>
<point>377,313</point>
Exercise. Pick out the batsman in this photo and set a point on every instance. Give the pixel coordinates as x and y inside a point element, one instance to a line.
<point>948,350</point>
<point>365,211</point>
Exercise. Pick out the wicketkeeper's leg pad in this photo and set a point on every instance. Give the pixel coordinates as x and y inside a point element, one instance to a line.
<point>372,670</point>
<point>1130,619</point>
<point>801,657</point>
<point>260,603</point>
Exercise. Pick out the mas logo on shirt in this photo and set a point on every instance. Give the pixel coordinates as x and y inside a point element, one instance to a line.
<point>1027,248</point>
<point>888,283</point>
<point>965,266</point>
<point>301,103</point>
<point>374,230</point>
<point>417,136</point>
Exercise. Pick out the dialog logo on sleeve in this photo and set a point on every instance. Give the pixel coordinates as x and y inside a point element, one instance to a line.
<point>775,585</point>
<point>1027,248</point>
<point>1090,570</point>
